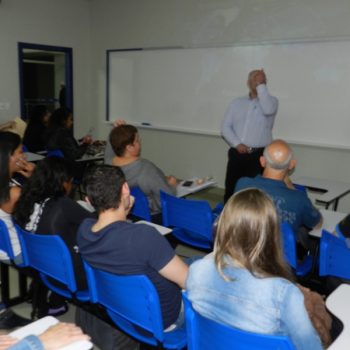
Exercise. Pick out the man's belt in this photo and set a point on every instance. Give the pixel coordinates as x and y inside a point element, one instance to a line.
<point>254,149</point>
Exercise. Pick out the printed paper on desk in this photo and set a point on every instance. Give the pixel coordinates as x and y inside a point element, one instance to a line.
<point>161,229</point>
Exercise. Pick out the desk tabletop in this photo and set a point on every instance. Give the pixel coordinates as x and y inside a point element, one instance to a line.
<point>330,220</point>
<point>183,191</point>
<point>161,229</point>
<point>91,158</point>
<point>338,304</point>
<point>33,157</point>
<point>333,189</point>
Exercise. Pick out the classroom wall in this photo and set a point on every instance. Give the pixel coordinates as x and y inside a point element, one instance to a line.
<point>91,27</point>
<point>154,23</point>
<point>49,22</point>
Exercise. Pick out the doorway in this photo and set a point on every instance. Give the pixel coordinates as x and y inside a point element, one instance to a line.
<point>45,77</point>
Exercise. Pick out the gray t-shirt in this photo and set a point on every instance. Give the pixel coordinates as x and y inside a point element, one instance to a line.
<point>150,179</point>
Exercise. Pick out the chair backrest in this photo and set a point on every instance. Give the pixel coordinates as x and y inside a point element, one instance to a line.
<point>301,188</point>
<point>50,256</point>
<point>129,301</point>
<point>193,216</point>
<point>141,208</point>
<point>5,241</point>
<point>289,244</point>
<point>55,153</point>
<point>334,256</point>
<point>206,334</point>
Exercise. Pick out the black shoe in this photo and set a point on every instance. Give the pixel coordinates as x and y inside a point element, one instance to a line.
<point>9,320</point>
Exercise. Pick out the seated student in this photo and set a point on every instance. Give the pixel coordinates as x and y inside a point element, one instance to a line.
<point>112,244</point>
<point>59,135</point>
<point>33,137</point>
<point>246,283</point>
<point>293,206</point>
<point>126,144</point>
<point>12,161</point>
<point>45,208</point>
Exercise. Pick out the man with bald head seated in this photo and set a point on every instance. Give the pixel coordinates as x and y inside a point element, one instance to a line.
<point>293,206</point>
<point>247,128</point>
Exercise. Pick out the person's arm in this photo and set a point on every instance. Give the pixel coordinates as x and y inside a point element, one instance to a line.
<point>227,129</point>
<point>296,321</point>
<point>9,206</point>
<point>56,337</point>
<point>268,103</point>
<point>155,251</point>
<point>154,180</point>
<point>176,271</point>
<point>312,217</point>
<point>69,145</point>
<point>30,342</point>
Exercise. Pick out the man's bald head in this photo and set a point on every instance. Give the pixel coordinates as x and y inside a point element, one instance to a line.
<point>278,155</point>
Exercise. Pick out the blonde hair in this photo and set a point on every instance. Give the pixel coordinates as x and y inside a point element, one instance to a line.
<point>248,231</point>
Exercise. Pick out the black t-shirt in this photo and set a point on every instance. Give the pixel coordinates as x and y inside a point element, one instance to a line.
<point>62,216</point>
<point>132,249</point>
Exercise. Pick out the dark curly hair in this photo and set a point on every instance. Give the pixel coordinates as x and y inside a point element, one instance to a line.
<point>46,182</point>
<point>103,185</point>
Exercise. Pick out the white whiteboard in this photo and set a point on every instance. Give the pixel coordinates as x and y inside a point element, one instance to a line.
<point>189,89</point>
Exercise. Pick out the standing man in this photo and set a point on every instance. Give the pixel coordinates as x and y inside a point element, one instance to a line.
<point>247,128</point>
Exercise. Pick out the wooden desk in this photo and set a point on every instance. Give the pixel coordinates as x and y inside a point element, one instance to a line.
<point>183,191</point>
<point>330,220</point>
<point>329,191</point>
<point>338,304</point>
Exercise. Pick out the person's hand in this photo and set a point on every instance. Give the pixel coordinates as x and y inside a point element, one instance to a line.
<point>87,140</point>
<point>171,180</point>
<point>61,335</point>
<point>130,204</point>
<point>260,77</point>
<point>6,341</point>
<point>241,148</point>
<point>119,122</point>
<point>24,167</point>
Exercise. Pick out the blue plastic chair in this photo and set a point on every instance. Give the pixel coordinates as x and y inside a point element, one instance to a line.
<point>5,242</point>
<point>301,188</point>
<point>191,220</point>
<point>133,305</point>
<point>206,334</point>
<point>49,255</point>
<point>334,256</point>
<point>55,153</point>
<point>290,251</point>
<point>141,208</point>
<point>6,246</point>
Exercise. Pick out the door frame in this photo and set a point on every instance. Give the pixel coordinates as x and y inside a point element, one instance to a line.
<point>68,60</point>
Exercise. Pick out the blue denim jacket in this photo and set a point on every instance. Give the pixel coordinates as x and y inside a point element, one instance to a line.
<point>260,305</point>
<point>31,342</point>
